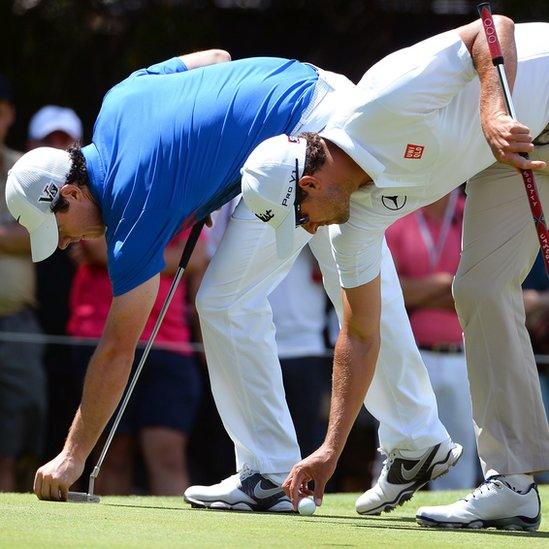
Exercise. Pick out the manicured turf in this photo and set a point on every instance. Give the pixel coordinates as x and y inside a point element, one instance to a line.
<point>169,522</point>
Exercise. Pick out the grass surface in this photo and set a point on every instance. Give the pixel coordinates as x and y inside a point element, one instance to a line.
<point>169,522</point>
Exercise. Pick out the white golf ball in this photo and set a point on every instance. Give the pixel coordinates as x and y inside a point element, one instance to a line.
<point>306,506</point>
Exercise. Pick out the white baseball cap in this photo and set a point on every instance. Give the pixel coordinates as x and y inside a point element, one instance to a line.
<point>52,118</point>
<point>269,180</point>
<point>32,188</point>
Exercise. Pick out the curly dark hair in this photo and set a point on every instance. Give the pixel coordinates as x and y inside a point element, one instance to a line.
<point>78,175</point>
<point>315,156</point>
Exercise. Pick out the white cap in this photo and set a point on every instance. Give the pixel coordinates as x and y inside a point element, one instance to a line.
<point>269,180</point>
<point>52,118</point>
<point>32,187</point>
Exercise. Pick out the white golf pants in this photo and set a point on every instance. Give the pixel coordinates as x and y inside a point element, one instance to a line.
<point>245,374</point>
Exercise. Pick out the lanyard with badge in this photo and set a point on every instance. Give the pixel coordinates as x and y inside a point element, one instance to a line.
<point>434,249</point>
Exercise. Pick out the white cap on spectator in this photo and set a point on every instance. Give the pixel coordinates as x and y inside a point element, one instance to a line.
<point>32,188</point>
<point>52,118</point>
<point>269,181</point>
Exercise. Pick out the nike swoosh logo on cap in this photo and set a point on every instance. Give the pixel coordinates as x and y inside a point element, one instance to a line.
<point>262,493</point>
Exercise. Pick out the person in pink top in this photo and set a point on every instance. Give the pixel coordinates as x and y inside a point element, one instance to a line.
<point>162,411</point>
<point>426,249</point>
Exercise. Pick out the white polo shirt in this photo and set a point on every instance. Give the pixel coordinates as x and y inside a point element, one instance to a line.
<point>412,124</point>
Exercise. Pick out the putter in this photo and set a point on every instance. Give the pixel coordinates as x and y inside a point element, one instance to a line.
<point>89,496</point>
<point>485,12</point>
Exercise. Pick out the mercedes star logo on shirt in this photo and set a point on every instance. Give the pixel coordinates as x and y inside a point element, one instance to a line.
<point>394,202</point>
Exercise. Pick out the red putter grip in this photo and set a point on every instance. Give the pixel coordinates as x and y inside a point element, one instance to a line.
<point>485,12</point>
<point>537,214</point>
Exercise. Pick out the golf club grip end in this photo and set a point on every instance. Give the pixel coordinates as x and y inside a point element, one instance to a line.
<point>482,5</point>
<point>191,243</point>
<point>485,12</point>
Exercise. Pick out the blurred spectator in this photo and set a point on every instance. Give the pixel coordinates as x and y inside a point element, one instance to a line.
<point>536,305</point>
<point>58,127</point>
<point>163,406</point>
<point>22,383</point>
<point>54,126</point>
<point>426,248</point>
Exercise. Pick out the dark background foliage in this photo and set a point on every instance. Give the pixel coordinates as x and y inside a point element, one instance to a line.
<point>70,52</point>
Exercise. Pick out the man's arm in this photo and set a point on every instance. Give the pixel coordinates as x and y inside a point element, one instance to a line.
<point>203,58</point>
<point>356,353</point>
<point>506,137</point>
<point>434,290</point>
<point>105,381</point>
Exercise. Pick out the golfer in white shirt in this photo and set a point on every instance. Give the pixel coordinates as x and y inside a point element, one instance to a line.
<point>411,132</point>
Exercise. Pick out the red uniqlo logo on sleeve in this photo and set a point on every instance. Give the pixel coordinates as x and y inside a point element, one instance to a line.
<point>413,151</point>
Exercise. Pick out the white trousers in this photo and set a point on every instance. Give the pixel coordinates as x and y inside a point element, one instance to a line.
<point>499,247</point>
<point>448,374</point>
<point>245,374</point>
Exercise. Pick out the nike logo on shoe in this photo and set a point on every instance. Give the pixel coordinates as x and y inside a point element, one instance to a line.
<point>411,474</point>
<point>262,493</point>
<point>405,470</point>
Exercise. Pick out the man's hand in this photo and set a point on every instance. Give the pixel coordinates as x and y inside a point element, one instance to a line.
<point>507,139</point>
<point>318,467</point>
<point>355,356</point>
<point>505,136</point>
<point>53,480</point>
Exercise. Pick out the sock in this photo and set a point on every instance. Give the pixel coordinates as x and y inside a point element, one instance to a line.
<point>519,483</point>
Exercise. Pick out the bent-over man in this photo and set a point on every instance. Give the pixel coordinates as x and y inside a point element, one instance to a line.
<point>167,149</point>
<point>410,133</point>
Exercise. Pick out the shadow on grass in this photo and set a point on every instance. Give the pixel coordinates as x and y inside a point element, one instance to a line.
<point>389,523</point>
<point>146,506</point>
<point>202,509</point>
<point>375,523</point>
<point>373,519</point>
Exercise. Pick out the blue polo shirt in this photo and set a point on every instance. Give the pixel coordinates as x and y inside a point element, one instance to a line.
<point>169,143</point>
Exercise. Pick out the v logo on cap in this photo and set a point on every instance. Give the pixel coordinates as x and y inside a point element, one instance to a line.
<point>49,194</point>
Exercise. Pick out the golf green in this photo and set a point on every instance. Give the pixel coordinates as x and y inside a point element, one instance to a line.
<point>170,522</point>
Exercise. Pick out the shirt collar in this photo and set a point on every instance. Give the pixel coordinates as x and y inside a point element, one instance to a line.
<point>96,171</point>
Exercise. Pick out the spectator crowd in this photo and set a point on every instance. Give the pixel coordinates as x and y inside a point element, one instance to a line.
<point>53,312</point>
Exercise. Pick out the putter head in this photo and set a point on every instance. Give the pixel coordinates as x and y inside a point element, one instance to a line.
<point>82,497</point>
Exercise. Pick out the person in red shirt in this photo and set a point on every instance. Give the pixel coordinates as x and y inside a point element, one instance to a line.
<point>426,248</point>
<point>162,410</point>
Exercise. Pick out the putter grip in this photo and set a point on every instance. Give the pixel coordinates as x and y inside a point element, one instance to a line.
<point>191,243</point>
<point>485,12</point>
<point>537,213</point>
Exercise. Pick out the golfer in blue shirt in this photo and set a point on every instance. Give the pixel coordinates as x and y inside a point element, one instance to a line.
<point>167,149</point>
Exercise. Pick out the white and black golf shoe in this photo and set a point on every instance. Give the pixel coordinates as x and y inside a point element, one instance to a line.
<point>402,476</point>
<point>247,490</point>
<point>494,504</point>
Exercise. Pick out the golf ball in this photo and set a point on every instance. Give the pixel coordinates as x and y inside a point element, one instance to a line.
<point>306,506</point>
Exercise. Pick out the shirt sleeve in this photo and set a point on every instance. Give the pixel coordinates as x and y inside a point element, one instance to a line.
<point>136,249</point>
<point>357,251</point>
<point>173,65</point>
<point>422,78</point>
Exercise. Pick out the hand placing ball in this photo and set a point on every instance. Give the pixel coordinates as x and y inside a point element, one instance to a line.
<point>306,506</point>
